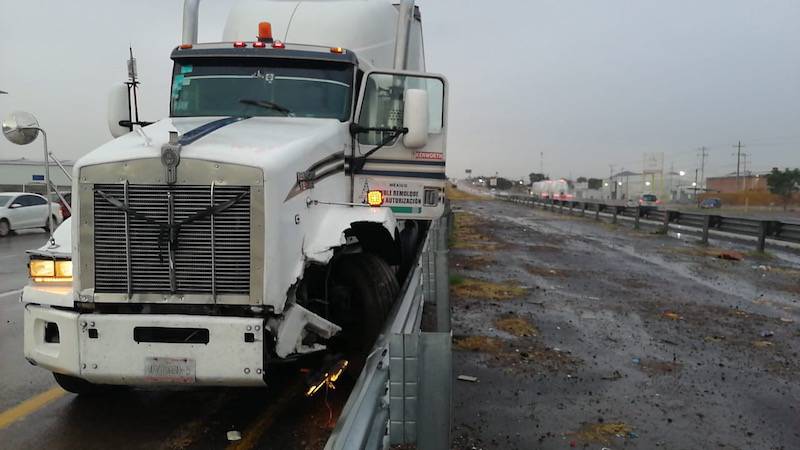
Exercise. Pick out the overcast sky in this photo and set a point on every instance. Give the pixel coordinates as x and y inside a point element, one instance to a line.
<point>588,83</point>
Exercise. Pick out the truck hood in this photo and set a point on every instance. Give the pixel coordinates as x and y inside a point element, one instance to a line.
<point>270,143</point>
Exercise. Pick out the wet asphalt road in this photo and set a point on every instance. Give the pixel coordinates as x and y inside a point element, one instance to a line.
<point>636,341</point>
<point>36,414</point>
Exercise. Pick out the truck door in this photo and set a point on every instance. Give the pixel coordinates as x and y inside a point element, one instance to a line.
<point>400,142</point>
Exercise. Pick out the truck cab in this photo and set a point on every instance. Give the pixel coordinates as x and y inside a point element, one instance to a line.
<point>270,218</point>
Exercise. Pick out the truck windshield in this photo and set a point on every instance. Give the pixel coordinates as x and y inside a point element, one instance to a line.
<point>263,87</point>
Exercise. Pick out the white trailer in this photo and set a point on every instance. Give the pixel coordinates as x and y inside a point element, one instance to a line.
<point>271,217</point>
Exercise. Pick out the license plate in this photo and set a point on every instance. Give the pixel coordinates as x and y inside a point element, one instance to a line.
<point>169,370</point>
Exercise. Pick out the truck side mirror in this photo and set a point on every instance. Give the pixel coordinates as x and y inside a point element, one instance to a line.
<point>415,118</point>
<point>118,110</point>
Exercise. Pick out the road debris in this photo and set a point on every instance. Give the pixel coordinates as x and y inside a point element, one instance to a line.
<point>615,375</point>
<point>766,334</point>
<point>671,315</point>
<point>469,378</point>
<point>730,255</point>
<point>234,435</point>
<point>763,344</point>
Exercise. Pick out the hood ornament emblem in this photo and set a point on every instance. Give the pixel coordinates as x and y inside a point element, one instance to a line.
<point>171,157</point>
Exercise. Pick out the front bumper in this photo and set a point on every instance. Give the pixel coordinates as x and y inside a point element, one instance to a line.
<point>101,348</point>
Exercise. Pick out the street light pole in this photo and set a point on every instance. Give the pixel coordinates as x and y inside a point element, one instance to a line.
<point>46,181</point>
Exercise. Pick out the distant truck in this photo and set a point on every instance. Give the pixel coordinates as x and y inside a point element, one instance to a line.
<point>560,189</point>
<point>271,217</point>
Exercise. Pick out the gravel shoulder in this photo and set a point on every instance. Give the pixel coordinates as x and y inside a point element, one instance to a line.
<point>590,335</point>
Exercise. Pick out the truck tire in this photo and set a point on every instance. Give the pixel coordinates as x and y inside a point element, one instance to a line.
<point>78,385</point>
<point>372,288</point>
<point>5,228</point>
<point>408,248</point>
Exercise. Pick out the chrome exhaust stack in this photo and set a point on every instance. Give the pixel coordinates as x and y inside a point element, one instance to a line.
<point>191,9</point>
<point>404,18</point>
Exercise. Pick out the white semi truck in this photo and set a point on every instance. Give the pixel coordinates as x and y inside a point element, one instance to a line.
<point>272,216</point>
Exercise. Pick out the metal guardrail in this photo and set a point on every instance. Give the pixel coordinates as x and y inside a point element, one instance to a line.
<point>762,230</point>
<point>404,392</point>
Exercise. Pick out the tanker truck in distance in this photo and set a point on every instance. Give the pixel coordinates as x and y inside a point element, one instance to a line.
<point>270,218</point>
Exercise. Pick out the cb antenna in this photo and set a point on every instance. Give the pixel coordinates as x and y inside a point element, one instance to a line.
<point>133,98</point>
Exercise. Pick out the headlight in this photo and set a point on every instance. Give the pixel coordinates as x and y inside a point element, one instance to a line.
<point>50,270</point>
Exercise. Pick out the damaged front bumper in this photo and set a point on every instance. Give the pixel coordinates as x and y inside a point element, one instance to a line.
<point>141,349</point>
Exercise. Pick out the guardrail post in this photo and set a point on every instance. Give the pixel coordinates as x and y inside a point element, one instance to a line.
<point>571,207</point>
<point>706,226</point>
<point>434,391</point>
<point>665,227</point>
<point>763,230</point>
<point>637,218</point>
<point>614,217</point>
<point>583,209</point>
<point>597,212</point>
<point>442,283</point>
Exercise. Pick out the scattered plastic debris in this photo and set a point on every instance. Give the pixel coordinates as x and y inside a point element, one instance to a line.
<point>763,344</point>
<point>469,378</point>
<point>671,315</point>
<point>234,435</point>
<point>636,360</point>
<point>766,334</point>
<point>787,320</point>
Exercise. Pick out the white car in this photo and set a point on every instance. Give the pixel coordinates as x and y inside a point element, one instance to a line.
<point>20,210</point>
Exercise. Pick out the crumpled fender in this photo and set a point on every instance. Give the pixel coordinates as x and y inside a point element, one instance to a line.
<point>330,223</point>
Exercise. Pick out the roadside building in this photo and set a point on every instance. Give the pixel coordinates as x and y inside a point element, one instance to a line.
<point>730,184</point>
<point>26,175</point>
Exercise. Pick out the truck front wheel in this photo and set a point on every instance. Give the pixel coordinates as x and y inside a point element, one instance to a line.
<point>367,288</point>
<point>77,385</point>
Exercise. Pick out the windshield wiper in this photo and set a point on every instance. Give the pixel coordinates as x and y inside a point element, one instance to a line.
<point>266,104</point>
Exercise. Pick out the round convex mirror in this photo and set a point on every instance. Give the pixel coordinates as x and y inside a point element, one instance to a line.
<point>20,127</point>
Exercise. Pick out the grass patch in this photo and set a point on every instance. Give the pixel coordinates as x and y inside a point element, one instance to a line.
<point>455,280</point>
<point>544,272</point>
<point>454,193</point>
<point>602,433</point>
<point>486,290</point>
<point>482,344</point>
<point>471,262</point>
<point>516,326</point>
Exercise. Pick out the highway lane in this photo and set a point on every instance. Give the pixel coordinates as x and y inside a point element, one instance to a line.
<point>35,413</point>
<point>20,380</point>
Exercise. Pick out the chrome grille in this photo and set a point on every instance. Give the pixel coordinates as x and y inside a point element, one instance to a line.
<point>206,261</point>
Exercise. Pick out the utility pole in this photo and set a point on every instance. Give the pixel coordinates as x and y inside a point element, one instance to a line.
<point>703,155</point>
<point>611,180</point>
<point>738,148</point>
